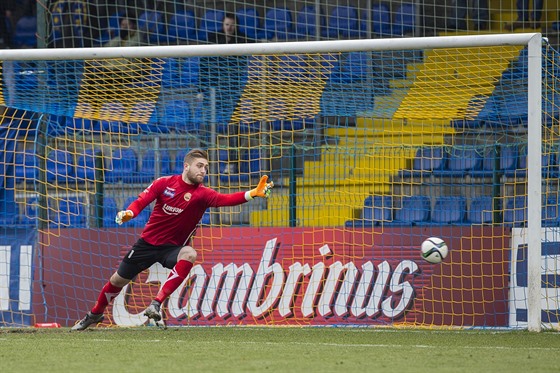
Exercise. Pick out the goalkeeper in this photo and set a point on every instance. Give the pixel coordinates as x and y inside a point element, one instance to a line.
<point>181,201</point>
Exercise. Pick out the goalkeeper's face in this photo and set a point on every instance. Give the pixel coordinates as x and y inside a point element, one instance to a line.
<point>195,172</point>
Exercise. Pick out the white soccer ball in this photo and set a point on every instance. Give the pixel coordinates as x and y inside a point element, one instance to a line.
<point>434,250</point>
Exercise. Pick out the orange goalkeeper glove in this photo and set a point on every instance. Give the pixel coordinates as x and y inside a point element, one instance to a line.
<point>262,190</point>
<point>123,216</point>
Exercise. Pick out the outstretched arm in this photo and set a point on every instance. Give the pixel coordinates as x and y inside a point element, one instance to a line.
<point>262,190</point>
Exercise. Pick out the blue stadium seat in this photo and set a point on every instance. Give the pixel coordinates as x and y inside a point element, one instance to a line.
<point>25,35</point>
<point>249,22</point>
<point>26,167</point>
<point>461,161</point>
<point>210,23</point>
<point>144,115</point>
<point>111,28</point>
<point>427,160</point>
<point>140,220</point>
<point>306,25</point>
<point>122,167</point>
<point>60,166</point>
<point>182,27</point>
<point>9,213</point>
<point>250,163</point>
<point>515,212</point>
<point>30,214</point>
<point>110,210</point>
<point>190,68</point>
<point>520,171</point>
<point>449,210</point>
<point>343,22</point>
<point>176,115</point>
<point>206,219</point>
<point>72,213</point>
<point>404,19</point>
<point>378,210</point>
<point>147,171</point>
<point>481,210</point>
<point>85,167</point>
<point>152,23</point>
<point>414,210</point>
<point>279,23</point>
<point>550,213</point>
<point>507,161</point>
<point>179,161</point>
<point>380,19</point>
<point>226,176</point>
<point>356,67</point>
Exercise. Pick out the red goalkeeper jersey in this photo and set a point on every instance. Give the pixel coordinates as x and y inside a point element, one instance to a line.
<point>178,209</point>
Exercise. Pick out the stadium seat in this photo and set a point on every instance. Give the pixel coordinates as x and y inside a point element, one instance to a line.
<point>550,213</point>
<point>306,24</point>
<point>515,212</point>
<point>110,210</point>
<point>211,22</point>
<point>176,115</point>
<point>249,22</point>
<point>461,161</point>
<point>278,23</point>
<point>343,22</point>
<point>250,163</point>
<point>25,35</point>
<point>60,166</point>
<point>26,167</point>
<point>111,28</point>
<point>404,19</point>
<point>449,210</point>
<point>380,19</point>
<point>9,213</point>
<point>179,161</point>
<point>122,167</point>
<point>182,27</point>
<point>189,70</point>
<point>85,167</point>
<point>141,219</point>
<point>153,25</point>
<point>147,171</point>
<point>356,67</point>
<point>29,216</point>
<point>414,210</point>
<point>426,160</point>
<point>378,209</point>
<point>507,162</point>
<point>227,175</point>
<point>206,219</point>
<point>72,213</point>
<point>481,210</point>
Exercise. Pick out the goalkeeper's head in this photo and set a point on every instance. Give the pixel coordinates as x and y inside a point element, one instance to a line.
<point>195,166</point>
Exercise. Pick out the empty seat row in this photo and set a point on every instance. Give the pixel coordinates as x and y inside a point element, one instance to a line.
<point>418,210</point>
<point>475,161</point>
<point>124,165</point>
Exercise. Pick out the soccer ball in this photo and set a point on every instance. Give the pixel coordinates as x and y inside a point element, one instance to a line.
<point>434,250</point>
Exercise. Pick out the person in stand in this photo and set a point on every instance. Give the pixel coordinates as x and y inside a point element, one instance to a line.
<point>181,201</point>
<point>225,76</point>
<point>128,36</point>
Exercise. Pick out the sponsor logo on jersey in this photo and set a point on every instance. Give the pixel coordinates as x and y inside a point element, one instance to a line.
<point>170,210</point>
<point>169,192</point>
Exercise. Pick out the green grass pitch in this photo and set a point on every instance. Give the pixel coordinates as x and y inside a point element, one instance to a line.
<point>277,349</point>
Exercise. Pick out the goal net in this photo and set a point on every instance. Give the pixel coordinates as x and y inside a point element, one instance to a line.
<point>373,145</point>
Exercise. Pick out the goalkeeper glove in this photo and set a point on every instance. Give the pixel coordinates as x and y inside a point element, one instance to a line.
<point>262,190</point>
<point>124,216</point>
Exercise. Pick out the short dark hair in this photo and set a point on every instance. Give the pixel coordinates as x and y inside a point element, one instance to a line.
<point>193,154</point>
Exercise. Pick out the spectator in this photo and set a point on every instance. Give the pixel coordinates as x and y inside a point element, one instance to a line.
<point>128,35</point>
<point>526,17</point>
<point>225,75</point>
<point>478,14</point>
<point>229,33</point>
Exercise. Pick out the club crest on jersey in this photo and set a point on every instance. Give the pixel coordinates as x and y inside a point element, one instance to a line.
<point>187,196</point>
<point>169,192</point>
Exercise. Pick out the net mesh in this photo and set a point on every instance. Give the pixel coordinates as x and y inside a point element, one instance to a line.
<point>371,153</point>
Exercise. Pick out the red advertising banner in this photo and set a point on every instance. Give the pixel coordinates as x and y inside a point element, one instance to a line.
<point>291,276</point>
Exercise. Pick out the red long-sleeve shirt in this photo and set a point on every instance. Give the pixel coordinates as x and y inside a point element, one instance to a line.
<point>178,209</point>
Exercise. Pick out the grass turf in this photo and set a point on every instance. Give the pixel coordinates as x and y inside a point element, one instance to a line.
<point>281,349</point>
